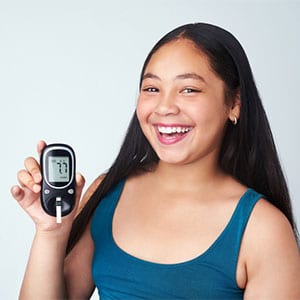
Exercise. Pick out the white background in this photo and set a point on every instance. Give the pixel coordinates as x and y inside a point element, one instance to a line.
<point>69,73</point>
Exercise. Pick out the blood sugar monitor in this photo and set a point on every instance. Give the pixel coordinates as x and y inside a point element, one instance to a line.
<point>58,184</point>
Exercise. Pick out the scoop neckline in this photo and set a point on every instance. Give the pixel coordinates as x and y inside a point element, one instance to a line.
<point>170,265</point>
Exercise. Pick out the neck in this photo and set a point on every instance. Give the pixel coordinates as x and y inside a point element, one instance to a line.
<point>198,175</point>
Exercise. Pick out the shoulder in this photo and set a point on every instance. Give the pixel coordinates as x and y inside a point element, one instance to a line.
<point>271,253</point>
<point>268,222</point>
<point>80,258</point>
<point>269,227</point>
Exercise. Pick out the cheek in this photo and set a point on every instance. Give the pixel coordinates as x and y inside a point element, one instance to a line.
<point>142,115</point>
<point>143,110</point>
<point>211,119</point>
<point>139,111</point>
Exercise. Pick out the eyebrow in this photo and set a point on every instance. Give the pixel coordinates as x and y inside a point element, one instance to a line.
<point>180,76</point>
<point>151,76</point>
<point>190,76</point>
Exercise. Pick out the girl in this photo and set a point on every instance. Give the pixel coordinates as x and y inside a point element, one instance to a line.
<point>195,205</point>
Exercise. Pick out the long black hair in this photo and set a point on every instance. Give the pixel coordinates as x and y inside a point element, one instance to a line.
<point>248,152</point>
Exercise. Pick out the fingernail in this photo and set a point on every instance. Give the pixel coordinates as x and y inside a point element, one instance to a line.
<point>36,188</point>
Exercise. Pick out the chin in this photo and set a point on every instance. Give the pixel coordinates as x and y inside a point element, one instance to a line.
<point>173,159</point>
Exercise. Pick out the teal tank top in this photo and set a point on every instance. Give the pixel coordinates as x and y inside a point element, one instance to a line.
<point>212,275</point>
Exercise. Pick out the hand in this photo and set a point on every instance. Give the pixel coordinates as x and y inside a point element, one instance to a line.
<point>28,195</point>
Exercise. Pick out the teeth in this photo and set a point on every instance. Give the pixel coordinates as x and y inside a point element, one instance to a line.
<point>169,130</point>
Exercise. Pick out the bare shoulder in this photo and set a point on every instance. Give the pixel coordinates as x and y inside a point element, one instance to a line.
<point>80,284</point>
<point>269,225</point>
<point>271,254</point>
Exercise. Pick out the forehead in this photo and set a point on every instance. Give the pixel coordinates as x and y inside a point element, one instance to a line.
<point>179,56</point>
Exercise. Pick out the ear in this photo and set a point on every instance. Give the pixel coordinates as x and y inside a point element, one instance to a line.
<point>235,110</point>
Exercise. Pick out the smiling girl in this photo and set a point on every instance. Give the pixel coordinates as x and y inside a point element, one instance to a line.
<point>195,205</point>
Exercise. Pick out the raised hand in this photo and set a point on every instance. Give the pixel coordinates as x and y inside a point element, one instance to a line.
<point>27,193</point>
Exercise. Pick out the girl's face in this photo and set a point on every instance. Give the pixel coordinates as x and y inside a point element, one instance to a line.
<point>181,106</point>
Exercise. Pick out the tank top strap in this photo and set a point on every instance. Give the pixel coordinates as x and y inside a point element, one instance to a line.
<point>225,252</point>
<point>105,210</point>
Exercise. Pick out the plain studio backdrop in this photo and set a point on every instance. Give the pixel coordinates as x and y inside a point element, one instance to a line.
<point>69,72</point>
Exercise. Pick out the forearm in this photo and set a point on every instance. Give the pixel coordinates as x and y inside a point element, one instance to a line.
<point>44,276</point>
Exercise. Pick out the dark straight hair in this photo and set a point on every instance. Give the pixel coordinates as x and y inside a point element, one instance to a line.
<point>248,152</point>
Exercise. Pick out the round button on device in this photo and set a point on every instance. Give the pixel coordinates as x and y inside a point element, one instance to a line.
<point>71,191</point>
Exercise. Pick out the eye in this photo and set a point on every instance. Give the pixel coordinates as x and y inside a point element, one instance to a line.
<point>188,90</point>
<point>150,89</point>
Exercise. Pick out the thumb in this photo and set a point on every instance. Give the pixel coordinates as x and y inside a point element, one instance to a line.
<point>80,181</point>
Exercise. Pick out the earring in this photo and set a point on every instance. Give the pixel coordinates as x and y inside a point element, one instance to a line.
<point>235,120</point>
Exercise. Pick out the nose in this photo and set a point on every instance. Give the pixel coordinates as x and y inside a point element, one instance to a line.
<point>167,105</point>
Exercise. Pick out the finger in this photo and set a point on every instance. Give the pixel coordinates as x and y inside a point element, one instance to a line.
<point>40,146</point>
<point>26,180</point>
<point>80,181</point>
<point>17,193</point>
<point>24,199</point>
<point>33,168</point>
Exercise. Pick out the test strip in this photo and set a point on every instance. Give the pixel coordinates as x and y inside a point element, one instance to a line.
<point>58,209</point>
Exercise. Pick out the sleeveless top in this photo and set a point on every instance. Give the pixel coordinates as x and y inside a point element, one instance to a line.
<point>211,275</point>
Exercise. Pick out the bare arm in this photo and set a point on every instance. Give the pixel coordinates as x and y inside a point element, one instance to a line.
<point>44,277</point>
<point>273,258</point>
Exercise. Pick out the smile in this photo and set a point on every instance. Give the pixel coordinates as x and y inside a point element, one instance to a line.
<point>171,130</point>
<point>168,135</point>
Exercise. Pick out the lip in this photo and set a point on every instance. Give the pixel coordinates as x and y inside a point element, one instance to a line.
<point>174,138</point>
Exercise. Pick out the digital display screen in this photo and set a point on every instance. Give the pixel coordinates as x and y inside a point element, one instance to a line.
<point>59,168</point>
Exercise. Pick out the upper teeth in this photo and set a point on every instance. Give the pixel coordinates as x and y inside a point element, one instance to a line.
<point>163,129</point>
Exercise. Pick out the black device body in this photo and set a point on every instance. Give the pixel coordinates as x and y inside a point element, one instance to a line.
<point>58,183</point>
